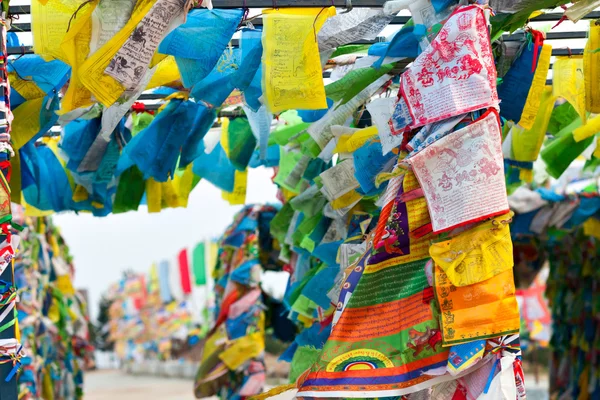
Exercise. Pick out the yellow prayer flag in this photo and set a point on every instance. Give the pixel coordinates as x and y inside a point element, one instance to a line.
<point>104,87</point>
<point>568,83</point>
<point>591,69</point>
<point>76,47</point>
<point>225,135</point>
<point>238,196</point>
<point>591,227</point>
<point>242,350</point>
<point>167,72</point>
<point>526,143</point>
<point>26,122</point>
<point>292,72</point>
<point>170,194</point>
<point>49,24</point>
<point>28,89</point>
<point>477,254</point>
<point>351,142</point>
<point>287,194</point>
<point>346,200</point>
<point>526,175</point>
<point>532,105</point>
<point>183,185</point>
<point>213,253</point>
<point>597,150</point>
<point>64,285</point>
<point>15,181</point>
<point>154,283</point>
<point>536,14</point>
<point>54,313</point>
<point>153,195</point>
<point>170,198</point>
<point>306,321</point>
<point>80,194</point>
<point>585,131</point>
<point>47,386</point>
<point>214,343</point>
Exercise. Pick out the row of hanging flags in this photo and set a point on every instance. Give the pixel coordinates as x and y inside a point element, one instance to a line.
<point>393,176</point>
<point>149,312</point>
<point>94,60</point>
<point>14,344</point>
<point>53,346</point>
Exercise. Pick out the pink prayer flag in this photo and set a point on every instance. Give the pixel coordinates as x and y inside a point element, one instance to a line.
<point>455,74</point>
<point>456,170</point>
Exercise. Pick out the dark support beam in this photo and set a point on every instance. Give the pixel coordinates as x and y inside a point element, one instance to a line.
<point>294,3</point>
<point>548,17</point>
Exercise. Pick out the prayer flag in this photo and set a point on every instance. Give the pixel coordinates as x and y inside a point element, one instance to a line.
<point>199,264</point>
<point>184,271</point>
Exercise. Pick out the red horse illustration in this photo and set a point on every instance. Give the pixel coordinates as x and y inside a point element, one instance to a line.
<point>423,340</point>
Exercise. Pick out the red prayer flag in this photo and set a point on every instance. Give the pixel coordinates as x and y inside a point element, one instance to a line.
<point>184,271</point>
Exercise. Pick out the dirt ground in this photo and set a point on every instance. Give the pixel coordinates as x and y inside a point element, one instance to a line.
<point>116,385</point>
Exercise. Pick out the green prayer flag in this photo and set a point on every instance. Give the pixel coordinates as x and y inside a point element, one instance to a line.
<point>350,48</point>
<point>241,143</point>
<point>140,121</point>
<point>562,116</point>
<point>287,161</point>
<point>284,135</point>
<point>130,190</point>
<point>563,150</point>
<point>199,264</point>
<point>304,358</point>
<point>281,222</point>
<point>355,82</point>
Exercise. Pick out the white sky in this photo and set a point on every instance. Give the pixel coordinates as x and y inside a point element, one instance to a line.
<point>104,247</point>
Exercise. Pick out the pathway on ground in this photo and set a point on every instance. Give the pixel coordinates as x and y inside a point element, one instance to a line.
<point>117,385</point>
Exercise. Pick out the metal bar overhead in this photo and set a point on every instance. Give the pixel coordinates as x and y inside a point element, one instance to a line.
<point>25,27</point>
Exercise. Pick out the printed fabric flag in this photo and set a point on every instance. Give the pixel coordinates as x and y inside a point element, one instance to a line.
<point>199,264</point>
<point>567,83</point>
<point>184,271</point>
<point>591,70</point>
<point>292,74</point>
<point>483,310</point>
<point>455,74</point>
<point>477,254</point>
<point>457,169</point>
<point>388,334</point>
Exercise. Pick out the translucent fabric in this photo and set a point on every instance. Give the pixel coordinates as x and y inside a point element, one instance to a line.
<point>215,168</point>
<point>198,44</point>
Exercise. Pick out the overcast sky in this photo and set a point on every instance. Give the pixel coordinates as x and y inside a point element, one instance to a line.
<point>104,247</point>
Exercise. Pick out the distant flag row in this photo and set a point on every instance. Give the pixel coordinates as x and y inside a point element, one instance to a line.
<point>175,279</point>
